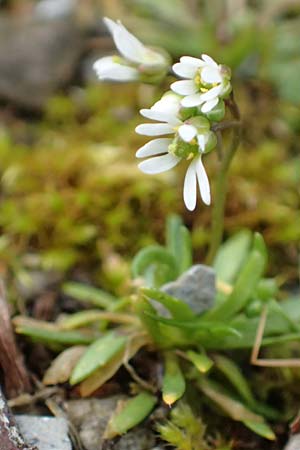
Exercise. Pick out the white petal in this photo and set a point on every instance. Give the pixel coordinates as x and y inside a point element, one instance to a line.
<point>127,44</point>
<point>190,187</point>
<point>201,141</point>
<point>107,69</point>
<point>192,100</point>
<point>195,62</point>
<point>184,70</point>
<point>187,132</point>
<point>208,106</point>
<point>211,62</point>
<point>211,75</point>
<point>170,103</point>
<point>154,129</point>
<point>203,181</point>
<point>212,93</point>
<point>154,147</point>
<point>184,87</point>
<point>159,164</point>
<point>160,116</point>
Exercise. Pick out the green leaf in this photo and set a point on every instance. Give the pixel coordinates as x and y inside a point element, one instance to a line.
<point>234,409</point>
<point>132,413</point>
<point>48,336</point>
<point>179,243</point>
<point>173,386</point>
<point>97,355</point>
<point>89,294</point>
<point>199,327</point>
<point>158,256</point>
<point>200,360</point>
<point>236,378</point>
<point>266,289</point>
<point>245,285</point>
<point>260,428</point>
<point>147,314</point>
<point>260,246</point>
<point>231,256</point>
<point>178,308</point>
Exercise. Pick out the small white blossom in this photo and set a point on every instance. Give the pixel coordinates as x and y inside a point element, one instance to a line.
<point>188,140</point>
<point>206,82</point>
<point>135,62</point>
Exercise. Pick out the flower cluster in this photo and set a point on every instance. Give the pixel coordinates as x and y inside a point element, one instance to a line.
<point>185,114</point>
<point>135,61</point>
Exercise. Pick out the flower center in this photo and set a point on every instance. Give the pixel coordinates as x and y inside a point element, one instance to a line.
<point>203,86</point>
<point>182,149</point>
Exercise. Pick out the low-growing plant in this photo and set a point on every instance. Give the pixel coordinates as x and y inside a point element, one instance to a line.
<point>205,350</point>
<point>198,349</point>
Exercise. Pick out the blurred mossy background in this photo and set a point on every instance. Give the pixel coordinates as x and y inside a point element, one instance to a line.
<point>74,203</point>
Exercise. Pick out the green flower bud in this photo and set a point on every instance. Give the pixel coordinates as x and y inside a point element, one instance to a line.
<point>217,113</point>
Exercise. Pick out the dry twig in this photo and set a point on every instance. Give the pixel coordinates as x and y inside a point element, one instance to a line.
<point>16,379</point>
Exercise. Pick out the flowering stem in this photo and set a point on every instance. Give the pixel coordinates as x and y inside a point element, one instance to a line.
<point>222,181</point>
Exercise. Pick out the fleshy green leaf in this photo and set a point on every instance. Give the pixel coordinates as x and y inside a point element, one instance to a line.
<point>53,336</point>
<point>235,409</point>
<point>97,355</point>
<point>130,414</point>
<point>173,386</point>
<point>231,256</point>
<point>200,360</point>
<point>245,284</point>
<point>104,373</point>
<point>178,308</point>
<point>89,294</point>
<point>179,243</point>
<point>158,256</point>
<point>236,378</point>
<point>147,314</point>
<point>260,428</point>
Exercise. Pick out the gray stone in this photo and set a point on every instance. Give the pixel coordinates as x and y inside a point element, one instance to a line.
<point>293,443</point>
<point>196,287</point>
<point>90,417</point>
<point>36,58</point>
<point>46,433</point>
<point>55,9</point>
<point>140,438</point>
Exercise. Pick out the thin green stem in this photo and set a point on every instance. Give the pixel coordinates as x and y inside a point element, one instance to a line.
<point>221,186</point>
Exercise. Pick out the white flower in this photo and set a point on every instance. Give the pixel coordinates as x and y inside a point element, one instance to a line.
<point>189,140</point>
<point>206,82</point>
<point>135,60</point>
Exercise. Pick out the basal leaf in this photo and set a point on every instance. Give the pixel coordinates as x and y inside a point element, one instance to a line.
<point>130,414</point>
<point>200,360</point>
<point>231,256</point>
<point>260,428</point>
<point>97,355</point>
<point>173,386</point>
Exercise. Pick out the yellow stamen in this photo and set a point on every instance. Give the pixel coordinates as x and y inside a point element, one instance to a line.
<point>191,156</point>
<point>197,79</point>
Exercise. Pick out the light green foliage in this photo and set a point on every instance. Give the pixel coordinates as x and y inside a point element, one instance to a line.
<point>173,385</point>
<point>228,326</point>
<point>72,197</point>
<point>131,414</point>
<point>231,256</point>
<point>89,294</point>
<point>246,282</point>
<point>157,264</point>
<point>186,431</point>
<point>97,355</point>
